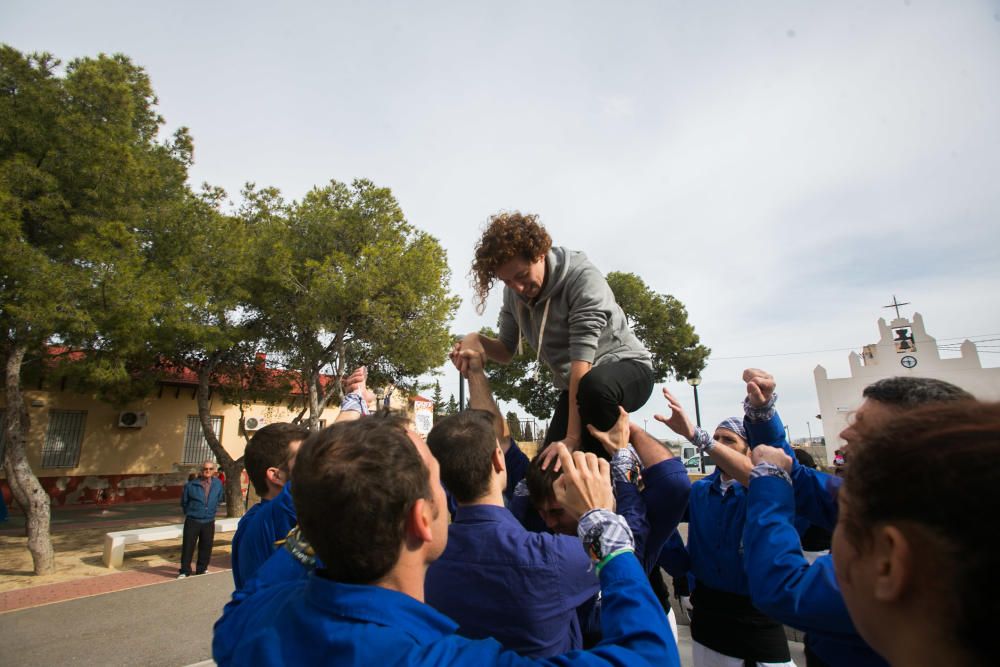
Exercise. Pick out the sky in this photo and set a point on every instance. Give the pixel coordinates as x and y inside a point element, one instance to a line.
<point>783,168</point>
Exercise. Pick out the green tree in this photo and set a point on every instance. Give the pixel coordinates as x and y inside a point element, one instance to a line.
<point>208,327</point>
<point>348,282</point>
<point>528,433</point>
<point>438,399</point>
<point>524,380</point>
<point>83,178</point>
<point>661,322</point>
<point>452,407</point>
<point>515,426</point>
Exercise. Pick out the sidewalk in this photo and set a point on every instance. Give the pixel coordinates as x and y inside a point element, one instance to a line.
<point>78,539</point>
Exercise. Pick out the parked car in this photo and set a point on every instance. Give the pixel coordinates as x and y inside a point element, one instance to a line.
<point>693,464</point>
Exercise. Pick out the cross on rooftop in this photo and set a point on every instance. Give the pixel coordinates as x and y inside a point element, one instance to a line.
<point>895,304</point>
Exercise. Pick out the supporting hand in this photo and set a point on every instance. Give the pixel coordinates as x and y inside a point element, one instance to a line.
<point>616,437</point>
<point>585,483</point>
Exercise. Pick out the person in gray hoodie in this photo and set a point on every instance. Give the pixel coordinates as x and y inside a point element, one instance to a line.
<point>560,303</point>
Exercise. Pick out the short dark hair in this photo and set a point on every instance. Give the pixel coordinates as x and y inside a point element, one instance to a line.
<point>268,448</point>
<point>463,444</point>
<point>909,392</point>
<point>355,482</point>
<point>805,458</point>
<point>539,482</point>
<point>933,471</point>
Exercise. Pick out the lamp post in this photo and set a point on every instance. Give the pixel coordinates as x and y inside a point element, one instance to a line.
<point>694,382</point>
<point>645,422</point>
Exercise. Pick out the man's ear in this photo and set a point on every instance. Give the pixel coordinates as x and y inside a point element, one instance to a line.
<point>419,521</point>
<point>894,566</point>
<point>499,462</point>
<point>275,476</point>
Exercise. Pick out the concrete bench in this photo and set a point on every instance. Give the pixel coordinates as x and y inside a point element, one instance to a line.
<point>114,543</point>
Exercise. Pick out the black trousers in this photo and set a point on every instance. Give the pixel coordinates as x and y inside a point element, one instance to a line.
<point>625,383</point>
<point>204,535</point>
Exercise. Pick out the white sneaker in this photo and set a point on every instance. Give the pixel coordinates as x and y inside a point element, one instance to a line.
<point>182,576</point>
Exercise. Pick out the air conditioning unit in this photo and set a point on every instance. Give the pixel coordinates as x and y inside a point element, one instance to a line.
<point>131,419</point>
<point>253,423</point>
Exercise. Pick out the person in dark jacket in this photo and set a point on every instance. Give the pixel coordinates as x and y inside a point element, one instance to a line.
<point>199,500</point>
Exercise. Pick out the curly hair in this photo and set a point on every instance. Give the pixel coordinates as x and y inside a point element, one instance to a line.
<point>508,235</point>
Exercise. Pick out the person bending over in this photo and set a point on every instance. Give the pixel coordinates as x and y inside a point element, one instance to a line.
<point>562,305</point>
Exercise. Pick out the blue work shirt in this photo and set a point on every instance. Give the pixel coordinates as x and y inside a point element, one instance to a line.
<point>786,587</point>
<point>264,524</point>
<point>666,496</point>
<point>281,568</point>
<point>318,621</point>
<point>715,535</point>
<point>496,579</point>
<point>815,491</point>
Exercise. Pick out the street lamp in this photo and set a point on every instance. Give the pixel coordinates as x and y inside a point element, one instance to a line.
<point>645,421</point>
<point>694,382</point>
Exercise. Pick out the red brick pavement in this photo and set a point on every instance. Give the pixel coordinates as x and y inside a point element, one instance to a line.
<point>109,583</point>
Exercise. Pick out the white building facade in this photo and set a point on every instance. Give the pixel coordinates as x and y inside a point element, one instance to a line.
<point>904,348</point>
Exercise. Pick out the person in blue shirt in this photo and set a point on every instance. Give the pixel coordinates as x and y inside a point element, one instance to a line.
<point>369,499</point>
<point>726,627</point>
<point>496,578</point>
<point>783,583</point>
<point>652,511</point>
<point>199,500</point>
<point>911,550</point>
<point>269,459</point>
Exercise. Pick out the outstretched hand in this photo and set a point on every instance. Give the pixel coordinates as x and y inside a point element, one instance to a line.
<point>760,386</point>
<point>616,437</point>
<point>585,483</point>
<point>678,421</point>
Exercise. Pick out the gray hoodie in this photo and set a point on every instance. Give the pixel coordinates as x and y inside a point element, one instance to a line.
<point>584,322</point>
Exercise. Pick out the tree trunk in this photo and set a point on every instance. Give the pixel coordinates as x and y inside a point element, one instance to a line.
<point>232,468</point>
<point>26,488</point>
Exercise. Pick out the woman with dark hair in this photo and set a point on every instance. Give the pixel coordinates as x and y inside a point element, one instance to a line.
<point>910,552</point>
<point>561,304</point>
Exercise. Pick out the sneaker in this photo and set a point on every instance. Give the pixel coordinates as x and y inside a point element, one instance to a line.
<point>182,576</point>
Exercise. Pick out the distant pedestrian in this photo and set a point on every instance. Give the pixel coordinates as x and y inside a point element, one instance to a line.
<point>199,500</point>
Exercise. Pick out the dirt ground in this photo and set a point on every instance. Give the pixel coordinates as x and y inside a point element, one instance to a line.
<point>79,551</point>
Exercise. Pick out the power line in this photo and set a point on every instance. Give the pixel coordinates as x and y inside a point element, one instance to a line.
<point>849,349</point>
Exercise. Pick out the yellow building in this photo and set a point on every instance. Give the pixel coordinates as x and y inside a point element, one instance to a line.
<point>86,451</point>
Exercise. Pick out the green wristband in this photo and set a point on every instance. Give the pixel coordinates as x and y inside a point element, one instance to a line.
<point>607,559</point>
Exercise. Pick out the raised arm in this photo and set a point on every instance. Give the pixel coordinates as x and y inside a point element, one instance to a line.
<point>815,491</point>
<point>480,394</point>
<point>782,582</point>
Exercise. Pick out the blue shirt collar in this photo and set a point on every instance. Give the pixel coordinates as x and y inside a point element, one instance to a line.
<point>470,513</point>
<point>373,604</point>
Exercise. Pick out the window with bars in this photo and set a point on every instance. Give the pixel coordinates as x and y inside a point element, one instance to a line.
<point>196,449</point>
<point>63,439</point>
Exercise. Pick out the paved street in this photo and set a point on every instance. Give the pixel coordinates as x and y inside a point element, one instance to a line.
<point>168,624</point>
